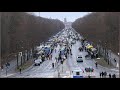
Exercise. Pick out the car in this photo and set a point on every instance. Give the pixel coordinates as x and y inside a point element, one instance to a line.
<point>77,73</point>
<point>80,49</point>
<point>89,69</point>
<point>79,59</point>
<point>73,42</point>
<point>37,62</point>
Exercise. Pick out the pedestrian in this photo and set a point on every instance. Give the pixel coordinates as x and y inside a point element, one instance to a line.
<point>114,59</point>
<point>20,70</point>
<point>52,65</point>
<point>109,75</point>
<point>55,50</point>
<point>70,50</point>
<point>8,64</point>
<point>96,55</point>
<point>100,74</point>
<point>105,74</point>
<point>96,64</point>
<point>113,76</point>
<point>65,56</point>
<point>89,76</point>
<point>81,49</point>
<point>56,59</point>
<point>2,67</point>
<point>51,56</point>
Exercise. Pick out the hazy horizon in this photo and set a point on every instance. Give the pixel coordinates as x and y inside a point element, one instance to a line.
<point>70,16</point>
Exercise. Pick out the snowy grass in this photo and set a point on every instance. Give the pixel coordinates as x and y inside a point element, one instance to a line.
<point>26,65</point>
<point>103,63</point>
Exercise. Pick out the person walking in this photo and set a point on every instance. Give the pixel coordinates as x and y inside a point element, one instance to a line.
<point>20,69</point>
<point>2,67</point>
<point>52,65</point>
<point>56,59</point>
<point>105,74</point>
<point>100,74</point>
<point>109,75</point>
<point>96,64</point>
<point>113,76</point>
<point>51,56</point>
<point>55,50</point>
<point>8,64</point>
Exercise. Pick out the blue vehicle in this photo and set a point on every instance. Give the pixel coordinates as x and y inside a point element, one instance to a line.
<point>77,76</point>
<point>47,50</point>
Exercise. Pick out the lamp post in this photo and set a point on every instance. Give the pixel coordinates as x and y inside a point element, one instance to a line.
<point>105,53</point>
<point>109,57</point>
<point>58,71</point>
<point>17,55</point>
<point>119,64</point>
<point>6,69</point>
<point>21,57</point>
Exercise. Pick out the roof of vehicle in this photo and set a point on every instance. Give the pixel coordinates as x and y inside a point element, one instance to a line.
<point>38,60</point>
<point>79,56</point>
<point>77,70</point>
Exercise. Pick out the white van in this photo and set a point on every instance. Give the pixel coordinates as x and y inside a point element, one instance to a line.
<point>38,62</point>
<point>77,73</point>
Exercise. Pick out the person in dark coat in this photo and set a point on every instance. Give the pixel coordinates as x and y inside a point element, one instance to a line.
<point>102,74</point>
<point>96,55</point>
<point>8,63</point>
<point>52,65</point>
<point>96,64</point>
<point>20,69</point>
<point>114,59</point>
<point>55,50</point>
<point>109,75</point>
<point>105,74</point>
<point>113,76</point>
<point>2,67</point>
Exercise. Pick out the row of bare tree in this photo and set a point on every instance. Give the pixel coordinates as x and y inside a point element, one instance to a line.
<point>21,31</point>
<point>100,28</point>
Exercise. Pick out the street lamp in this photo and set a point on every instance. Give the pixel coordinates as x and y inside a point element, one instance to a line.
<point>6,68</point>
<point>110,57</point>
<point>105,53</point>
<point>119,64</point>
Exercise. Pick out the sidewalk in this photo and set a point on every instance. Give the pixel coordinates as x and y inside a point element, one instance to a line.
<point>10,69</point>
<point>111,56</point>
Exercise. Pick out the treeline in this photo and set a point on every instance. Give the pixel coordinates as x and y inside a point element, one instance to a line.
<point>21,31</point>
<point>100,28</point>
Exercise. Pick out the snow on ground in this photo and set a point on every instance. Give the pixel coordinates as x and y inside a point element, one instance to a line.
<point>45,70</point>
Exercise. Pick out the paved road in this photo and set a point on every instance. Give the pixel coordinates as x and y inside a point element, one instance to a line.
<point>45,70</point>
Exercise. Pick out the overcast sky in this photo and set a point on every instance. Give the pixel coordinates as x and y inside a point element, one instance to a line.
<point>70,16</point>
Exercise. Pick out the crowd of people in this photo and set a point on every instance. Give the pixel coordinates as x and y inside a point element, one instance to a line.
<point>105,75</point>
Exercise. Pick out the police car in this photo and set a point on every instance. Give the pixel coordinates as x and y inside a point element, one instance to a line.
<point>77,73</point>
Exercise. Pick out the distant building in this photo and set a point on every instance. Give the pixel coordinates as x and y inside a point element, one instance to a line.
<point>67,25</point>
<point>65,20</point>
